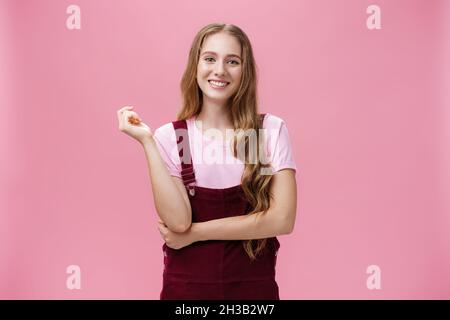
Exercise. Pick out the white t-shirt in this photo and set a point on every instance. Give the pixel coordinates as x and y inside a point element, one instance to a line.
<point>214,164</point>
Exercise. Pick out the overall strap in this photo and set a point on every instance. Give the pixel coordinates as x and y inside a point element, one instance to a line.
<point>184,152</point>
<point>261,118</point>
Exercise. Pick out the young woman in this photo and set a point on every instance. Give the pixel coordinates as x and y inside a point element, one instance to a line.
<point>220,207</point>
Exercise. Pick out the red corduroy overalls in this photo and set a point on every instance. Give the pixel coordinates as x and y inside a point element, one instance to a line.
<point>216,269</point>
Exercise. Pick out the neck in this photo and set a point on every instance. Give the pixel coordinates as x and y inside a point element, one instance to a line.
<point>215,114</point>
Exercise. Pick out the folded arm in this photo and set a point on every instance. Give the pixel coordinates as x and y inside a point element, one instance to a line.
<point>171,200</point>
<point>279,219</point>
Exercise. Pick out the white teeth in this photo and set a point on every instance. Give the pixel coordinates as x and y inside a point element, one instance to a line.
<point>218,84</point>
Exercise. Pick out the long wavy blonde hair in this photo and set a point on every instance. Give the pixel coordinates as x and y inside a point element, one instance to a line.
<point>244,115</point>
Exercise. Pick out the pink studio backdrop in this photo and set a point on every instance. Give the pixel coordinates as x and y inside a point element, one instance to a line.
<point>367,112</point>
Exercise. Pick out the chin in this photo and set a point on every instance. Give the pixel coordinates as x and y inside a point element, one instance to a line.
<point>217,96</point>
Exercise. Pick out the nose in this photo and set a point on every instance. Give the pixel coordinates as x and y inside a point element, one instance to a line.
<point>219,70</point>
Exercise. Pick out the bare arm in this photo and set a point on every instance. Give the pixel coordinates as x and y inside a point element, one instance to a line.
<point>169,193</point>
<point>279,219</point>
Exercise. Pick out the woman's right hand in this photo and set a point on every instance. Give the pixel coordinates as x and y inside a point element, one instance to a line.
<point>126,117</point>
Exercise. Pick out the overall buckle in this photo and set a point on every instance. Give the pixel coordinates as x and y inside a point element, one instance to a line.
<point>191,189</point>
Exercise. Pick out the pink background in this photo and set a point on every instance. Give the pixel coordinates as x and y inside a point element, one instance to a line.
<point>367,111</point>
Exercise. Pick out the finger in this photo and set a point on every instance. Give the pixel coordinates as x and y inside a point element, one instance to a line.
<point>125,108</point>
<point>125,116</point>
<point>163,226</point>
<point>130,115</point>
<point>130,112</point>
<point>162,230</point>
<point>122,110</point>
<point>133,115</point>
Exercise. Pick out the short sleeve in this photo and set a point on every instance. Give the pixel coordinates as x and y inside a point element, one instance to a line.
<point>280,147</point>
<point>165,140</point>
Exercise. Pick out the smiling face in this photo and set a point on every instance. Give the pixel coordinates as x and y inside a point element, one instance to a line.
<point>219,67</point>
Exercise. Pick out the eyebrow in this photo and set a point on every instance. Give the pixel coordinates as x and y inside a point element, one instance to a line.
<point>213,53</point>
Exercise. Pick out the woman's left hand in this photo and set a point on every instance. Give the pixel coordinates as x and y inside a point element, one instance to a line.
<point>176,240</point>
